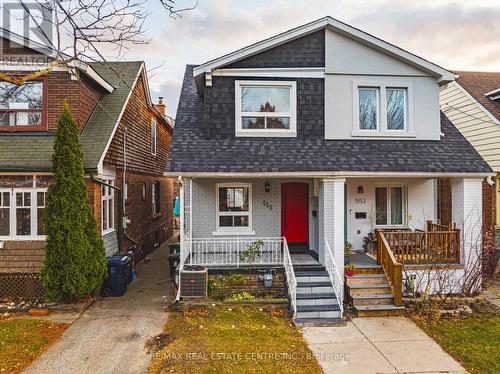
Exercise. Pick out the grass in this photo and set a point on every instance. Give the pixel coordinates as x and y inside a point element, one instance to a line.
<point>474,341</point>
<point>23,340</point>
<point>232,340</point>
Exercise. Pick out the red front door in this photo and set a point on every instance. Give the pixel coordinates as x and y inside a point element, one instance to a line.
<point>295,214</point>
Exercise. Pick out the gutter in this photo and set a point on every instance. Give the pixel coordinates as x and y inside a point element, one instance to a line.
<point>120,211</point>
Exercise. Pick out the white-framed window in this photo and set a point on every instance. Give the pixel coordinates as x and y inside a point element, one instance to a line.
<point>382,109</point>
<point>108,207</point>
<point>234,208</point>
<point>143,191</point>
<point>266,108</point>
<point>390,206</point>
<point>155,198</point>
<point>21,213</point>
<point>153,137</point>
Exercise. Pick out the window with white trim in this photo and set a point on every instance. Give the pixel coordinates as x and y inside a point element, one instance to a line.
<point>382,109</point>
<point>108,207</point>
<point>266,108</point>
<point>234,207</point>
<point>390,206</point>
<point>153,137</point>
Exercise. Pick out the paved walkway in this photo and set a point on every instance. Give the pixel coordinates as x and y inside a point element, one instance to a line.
<point>378,345</point>
<point>110,336</point>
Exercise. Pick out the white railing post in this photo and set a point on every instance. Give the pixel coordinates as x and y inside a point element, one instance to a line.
<point>335,276</point>
<point>290,277</point>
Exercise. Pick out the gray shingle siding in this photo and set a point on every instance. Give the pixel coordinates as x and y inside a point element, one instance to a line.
<point>307,51</point>
<point>219,107</point>
<point>192,152</point>
<point>110,243</point>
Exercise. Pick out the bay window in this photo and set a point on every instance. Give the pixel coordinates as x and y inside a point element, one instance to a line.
<point>22,204</point>
<point>389,206</point>
<point>22,108</point>
<point>265,108</point>
<point>234,203</point>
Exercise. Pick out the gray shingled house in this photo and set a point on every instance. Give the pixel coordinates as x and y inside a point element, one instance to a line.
<point>315,137</point>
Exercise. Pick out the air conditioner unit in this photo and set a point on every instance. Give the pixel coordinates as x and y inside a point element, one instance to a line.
<point>194,282</point>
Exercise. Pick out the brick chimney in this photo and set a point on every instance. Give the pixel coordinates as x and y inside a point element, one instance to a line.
<point>161,107</point>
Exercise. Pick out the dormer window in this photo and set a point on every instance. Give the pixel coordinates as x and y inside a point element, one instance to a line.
<point>266,108</point>
<point>382,109</point>
<point>22,108</point>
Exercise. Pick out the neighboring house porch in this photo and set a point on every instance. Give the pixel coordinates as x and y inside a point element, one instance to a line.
<point>269,222</point>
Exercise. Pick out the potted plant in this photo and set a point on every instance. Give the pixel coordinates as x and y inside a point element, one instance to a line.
<point>349,270</point>
<point>347,251</point>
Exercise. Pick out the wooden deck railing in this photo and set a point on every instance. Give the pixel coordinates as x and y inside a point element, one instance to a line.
<point>392,268</point>
<point>431,246</point>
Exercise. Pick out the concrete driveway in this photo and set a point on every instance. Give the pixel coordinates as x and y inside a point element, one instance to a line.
<point>110,336</point>
<point>378,345</point>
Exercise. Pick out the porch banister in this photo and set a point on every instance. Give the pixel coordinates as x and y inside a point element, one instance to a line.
<point>392,269</point>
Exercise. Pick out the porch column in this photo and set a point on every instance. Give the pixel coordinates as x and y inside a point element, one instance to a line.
<point>331,220</point>
<point>468,215</point>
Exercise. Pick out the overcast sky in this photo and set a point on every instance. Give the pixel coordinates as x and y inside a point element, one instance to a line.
<point>456,34</point>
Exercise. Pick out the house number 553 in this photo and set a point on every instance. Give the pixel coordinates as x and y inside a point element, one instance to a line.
<point>267,204</point>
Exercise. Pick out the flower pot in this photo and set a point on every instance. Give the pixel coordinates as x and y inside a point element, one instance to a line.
<point>349,273</point>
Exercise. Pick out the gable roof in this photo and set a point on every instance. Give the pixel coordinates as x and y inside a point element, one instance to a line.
<point>442,74</point>
<point>480,85</point>
<point>192,153</point>
<point>33,151</point>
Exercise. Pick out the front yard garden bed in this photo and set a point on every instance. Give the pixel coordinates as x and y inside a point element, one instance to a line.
<point>472,339</point>
<point>23,340</point>
<point>237,339</point>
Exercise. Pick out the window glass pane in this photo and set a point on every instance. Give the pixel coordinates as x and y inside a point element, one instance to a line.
<point>368,109</point>
<point>39,224</point>
<point>278,122</point>
<point>396,206</point>
<point>104,215</point>
<point>233,221</point>
<point>381,205</point>
<point>43,181</point>
<point>11,181</point>
<point>253,123</point>
<point>111,212</point>
<point>23,221</point>
<point>240,221</point>
<point>4,213</point>
<point>27,96</point>
<point>233,199</point>
<point>396,108</point>
<point>265,99</point>
<point>40,199</point>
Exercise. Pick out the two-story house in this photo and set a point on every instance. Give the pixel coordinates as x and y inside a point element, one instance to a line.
<point>125,141</point>
<point>472,103</point>
<point>312,138</point>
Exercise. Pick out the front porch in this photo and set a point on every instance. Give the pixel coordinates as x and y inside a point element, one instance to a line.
<point>275,222</point>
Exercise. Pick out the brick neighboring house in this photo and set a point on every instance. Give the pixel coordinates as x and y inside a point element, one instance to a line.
<point>125,141</point>
<point>472,103</point>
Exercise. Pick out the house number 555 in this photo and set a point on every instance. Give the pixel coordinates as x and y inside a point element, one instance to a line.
<point>267,204</point>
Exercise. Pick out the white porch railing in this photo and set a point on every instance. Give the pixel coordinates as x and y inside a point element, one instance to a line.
<point>335,277</point>
<point>235,252</point>
<point>291,281</point>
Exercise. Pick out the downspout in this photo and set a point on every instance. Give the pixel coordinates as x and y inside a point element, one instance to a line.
<point>120,211</point>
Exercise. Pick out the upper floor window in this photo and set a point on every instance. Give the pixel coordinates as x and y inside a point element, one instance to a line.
<point>265,108</point>
<point>22,108</point>
<point>108,207</point>
<point>382,110</point>
<point>153,137</point>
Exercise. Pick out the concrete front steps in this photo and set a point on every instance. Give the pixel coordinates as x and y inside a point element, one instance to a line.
<point>370,293</point>
<point>317,304</point>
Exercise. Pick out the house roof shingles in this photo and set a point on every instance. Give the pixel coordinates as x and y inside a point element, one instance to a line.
<point>33,151</point>
<point>192,152</point>
<point>477,84</point>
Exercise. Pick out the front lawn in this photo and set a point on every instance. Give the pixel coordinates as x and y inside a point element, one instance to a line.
<point>232,340</point>
<point>474,341</point>
<point>23,340</point>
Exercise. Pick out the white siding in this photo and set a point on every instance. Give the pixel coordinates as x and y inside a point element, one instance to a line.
<point>472,121</point>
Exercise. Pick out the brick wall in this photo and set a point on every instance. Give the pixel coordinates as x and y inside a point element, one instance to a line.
<point>220,106</point>
<point>22,256</point>
<point>307,51</point>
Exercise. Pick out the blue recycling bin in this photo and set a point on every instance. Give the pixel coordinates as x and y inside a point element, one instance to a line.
<point>119,276</point>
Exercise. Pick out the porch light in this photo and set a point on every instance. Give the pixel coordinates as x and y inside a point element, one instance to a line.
<point>267,187</point>
<point>360,189</point>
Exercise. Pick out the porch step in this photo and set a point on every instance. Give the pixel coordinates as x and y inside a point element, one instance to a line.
<point>317,301</point>
<point>314,284</point>
<point>318,322</point>
<point>358,289</point>
<point>365,279</point>
<point>308,268</point>
<point>379,310</point>
<point>372,269</point>
<point>318,308</point>
<point>312,295</point>
<point>319,273</point>
<point>315,289</point>
<point>372,299</point>
<point>312,278</point>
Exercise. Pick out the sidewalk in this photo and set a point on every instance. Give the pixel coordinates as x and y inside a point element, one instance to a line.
<point>378,345</point>
<point>109,337</point>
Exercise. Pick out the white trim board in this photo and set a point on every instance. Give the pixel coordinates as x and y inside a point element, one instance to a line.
<point>272,72</point>
<point>442,74</point>
<point>327,174</point>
